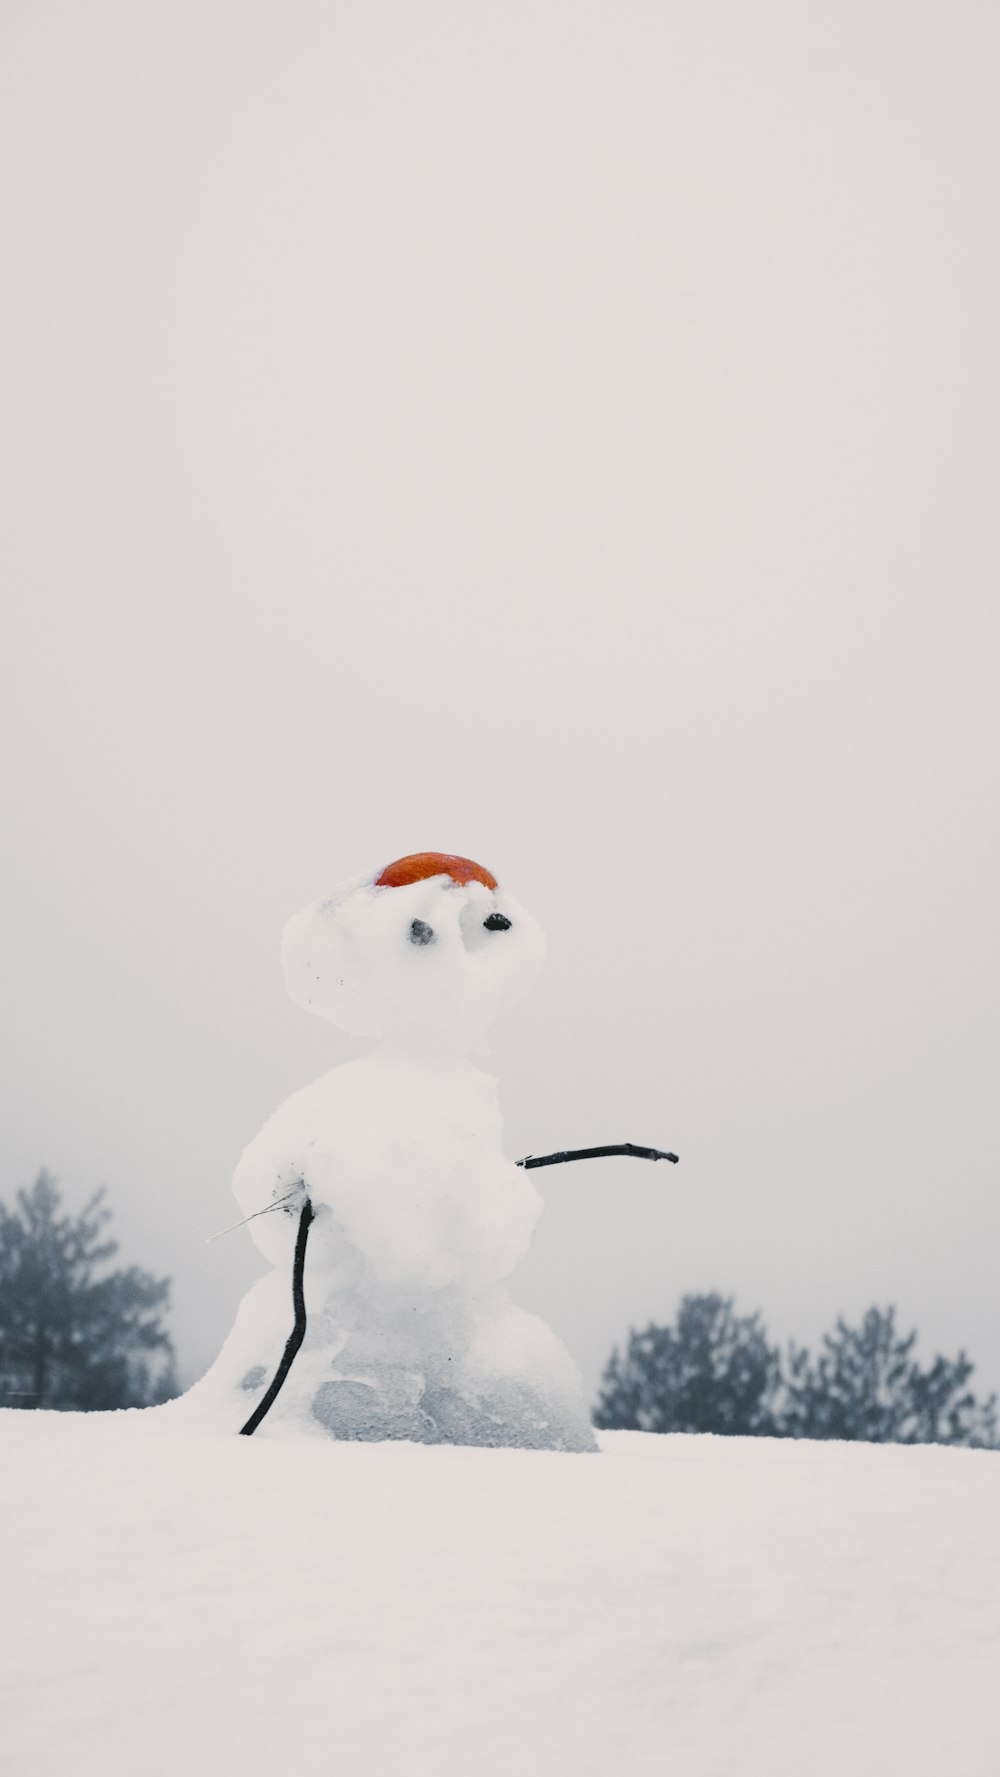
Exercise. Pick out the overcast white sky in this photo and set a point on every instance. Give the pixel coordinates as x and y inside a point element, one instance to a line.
<point>561,433</point>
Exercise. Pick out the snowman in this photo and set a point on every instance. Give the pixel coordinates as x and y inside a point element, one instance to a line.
<point>392,1167</point>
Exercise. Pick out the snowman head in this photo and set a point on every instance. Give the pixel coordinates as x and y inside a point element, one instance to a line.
<point>430,942</point>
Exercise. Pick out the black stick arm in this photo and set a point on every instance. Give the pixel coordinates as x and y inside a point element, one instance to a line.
<point>298,1331</point>
<point>621,1147</point>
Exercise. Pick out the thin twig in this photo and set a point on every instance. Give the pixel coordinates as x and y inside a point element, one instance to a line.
<point>278,1203</point>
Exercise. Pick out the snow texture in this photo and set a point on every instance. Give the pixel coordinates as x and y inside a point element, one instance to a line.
<point>176,1602</point>
<point>419,1216</point>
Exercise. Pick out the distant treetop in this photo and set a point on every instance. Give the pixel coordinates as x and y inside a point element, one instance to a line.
<point>715,1371</point>
<point>74,1336</point>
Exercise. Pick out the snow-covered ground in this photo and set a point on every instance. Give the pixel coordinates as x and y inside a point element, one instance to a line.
<point>181,1603</point>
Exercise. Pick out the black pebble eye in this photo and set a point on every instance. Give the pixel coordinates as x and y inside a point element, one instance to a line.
<point>421,932</point>
<point>497,922</point>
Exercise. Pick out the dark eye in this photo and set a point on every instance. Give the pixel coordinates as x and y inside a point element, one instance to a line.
<point>421,932</point>
<point>497,922</point>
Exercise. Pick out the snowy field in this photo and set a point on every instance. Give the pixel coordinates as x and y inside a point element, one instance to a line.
<point>182,1604</point>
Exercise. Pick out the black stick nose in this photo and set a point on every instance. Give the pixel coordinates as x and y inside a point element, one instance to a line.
<point>497,922</point>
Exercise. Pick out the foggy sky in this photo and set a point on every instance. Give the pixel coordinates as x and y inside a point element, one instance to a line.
<point>560,433</point>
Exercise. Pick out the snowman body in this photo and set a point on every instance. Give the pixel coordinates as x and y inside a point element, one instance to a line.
<point>418,1215</point>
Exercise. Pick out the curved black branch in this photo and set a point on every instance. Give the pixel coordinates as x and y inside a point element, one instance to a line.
<point>298,1331</point>
<point>621,1147</point>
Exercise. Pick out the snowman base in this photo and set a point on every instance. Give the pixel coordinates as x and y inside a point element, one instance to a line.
<point>511,1417</point>
<point>429,1368</point>
<point>444,1401</point>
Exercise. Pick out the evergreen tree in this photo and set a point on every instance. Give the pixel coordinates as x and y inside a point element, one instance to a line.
<point>69,1337</point>
<point>865,1385</point>
<point>714,1372</point>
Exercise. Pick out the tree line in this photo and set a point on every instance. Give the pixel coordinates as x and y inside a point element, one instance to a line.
<point>717,1371</point>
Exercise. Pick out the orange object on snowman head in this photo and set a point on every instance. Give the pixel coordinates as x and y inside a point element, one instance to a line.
<point>446,951</point>
<point>420,865</point>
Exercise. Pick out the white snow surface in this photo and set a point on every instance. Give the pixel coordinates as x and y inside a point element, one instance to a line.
<point>179,1604</point>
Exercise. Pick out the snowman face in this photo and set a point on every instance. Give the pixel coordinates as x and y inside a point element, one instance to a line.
<point>434,952</point>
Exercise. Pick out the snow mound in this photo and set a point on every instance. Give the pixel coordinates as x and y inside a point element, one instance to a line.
<point>684,1607</point>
